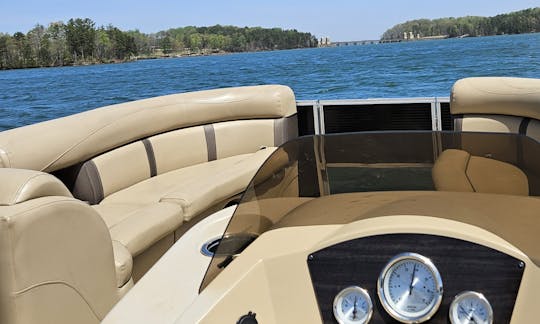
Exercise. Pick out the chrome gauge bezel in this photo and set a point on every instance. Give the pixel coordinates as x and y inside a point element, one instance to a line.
<point>467,294</point>
<point>396,314</point>
<point>342,294</point>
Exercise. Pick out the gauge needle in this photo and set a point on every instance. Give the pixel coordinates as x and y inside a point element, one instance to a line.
<point>471,316</point>
<point>354,308</point>
<point>412,280</point>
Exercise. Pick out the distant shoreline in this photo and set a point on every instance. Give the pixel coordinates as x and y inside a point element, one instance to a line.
<point>517,22</point>
<point>187,54</point>
<point>153,57</point>
<point>144,58</point>
<point>80,42</point>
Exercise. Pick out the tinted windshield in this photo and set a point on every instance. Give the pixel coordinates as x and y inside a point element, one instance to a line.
<point>314,166</point>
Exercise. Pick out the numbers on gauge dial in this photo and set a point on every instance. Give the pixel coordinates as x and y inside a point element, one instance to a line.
<point>353,305</point>
<point>471,307</point>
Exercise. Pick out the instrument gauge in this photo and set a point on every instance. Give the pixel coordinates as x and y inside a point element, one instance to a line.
<point>471,307</point>
<point>410,288</point>
<point>353,305</point>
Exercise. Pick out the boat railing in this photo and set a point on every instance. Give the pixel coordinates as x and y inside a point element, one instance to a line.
<point>353,115</point>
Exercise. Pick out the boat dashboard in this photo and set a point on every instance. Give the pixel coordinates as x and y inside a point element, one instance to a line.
<point>390,268</point>
<point>355,228</point>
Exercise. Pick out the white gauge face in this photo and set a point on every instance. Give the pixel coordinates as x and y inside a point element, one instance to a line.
<point>410,288</point>
<point>471,307</point>
<point>353,305</point>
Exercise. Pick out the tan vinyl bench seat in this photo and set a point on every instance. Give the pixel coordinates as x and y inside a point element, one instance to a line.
<point>143,213</point>
<point>146,189</point>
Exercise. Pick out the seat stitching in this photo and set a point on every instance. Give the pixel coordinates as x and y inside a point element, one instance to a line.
<point>55,282</point>
<point>466,175</point>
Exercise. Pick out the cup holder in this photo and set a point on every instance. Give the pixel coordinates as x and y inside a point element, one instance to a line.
<point>229,244</point>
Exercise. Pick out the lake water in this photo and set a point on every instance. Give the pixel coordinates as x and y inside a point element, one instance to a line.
<point>416,69</point>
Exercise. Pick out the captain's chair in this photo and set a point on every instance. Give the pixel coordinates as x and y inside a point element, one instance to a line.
<point>57,261</point>
<point>494,105</point>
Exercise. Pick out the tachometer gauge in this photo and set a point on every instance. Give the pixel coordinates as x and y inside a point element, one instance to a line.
<point>410,288</point>
<point>471,307</point>
<point>353,305</point>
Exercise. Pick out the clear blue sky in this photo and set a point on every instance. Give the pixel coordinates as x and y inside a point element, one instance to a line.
<point>339,20</point>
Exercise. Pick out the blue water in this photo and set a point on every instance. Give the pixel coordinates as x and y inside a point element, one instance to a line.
<point>416,69</point>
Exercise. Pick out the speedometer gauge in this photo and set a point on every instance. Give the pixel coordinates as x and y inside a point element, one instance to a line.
<point>471,307</point>
<point>410,288</point>
<point>353,305</point>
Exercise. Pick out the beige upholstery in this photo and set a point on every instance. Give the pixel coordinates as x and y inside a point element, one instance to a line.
<point>450,171</point>
<point>122,167</point>
<point>79,137</point>
<point>496,105</point>
<point>178,149</point>
<point>499,105</point>
<point>239,137</point>
<point>137,225</point>
<point>496,95</point>
<point>20,185</point>
<point>457,170</point>
<point>490,123</point>
<point>145,190</point>
<point>194,188</point>
<point>56,262</point>
<point>123,263</point>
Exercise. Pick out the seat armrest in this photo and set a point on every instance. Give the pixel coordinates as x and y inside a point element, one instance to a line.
<point>20,185</point>
<point>123,262</point>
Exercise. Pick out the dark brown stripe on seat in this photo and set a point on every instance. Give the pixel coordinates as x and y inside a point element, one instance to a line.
<point>285,128</point>
<point>151,156</point>
<point>524,125</point>
<point>210,135</point>
<point>88,186</point>
<point>458,123</point>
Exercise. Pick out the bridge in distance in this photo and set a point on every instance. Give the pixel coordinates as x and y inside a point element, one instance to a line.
<point>355,43</point>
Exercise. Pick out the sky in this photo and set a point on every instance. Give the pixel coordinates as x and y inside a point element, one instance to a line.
<point>341,20</point>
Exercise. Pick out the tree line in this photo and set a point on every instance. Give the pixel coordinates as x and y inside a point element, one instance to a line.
<point>519,22</point>
<point>79,41</point>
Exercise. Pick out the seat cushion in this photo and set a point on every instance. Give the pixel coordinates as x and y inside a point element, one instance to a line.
<point>492,176</point>
<point>457,170</point>
<point>449,171</point>
<point>138,226</point>
<point>195,188</point>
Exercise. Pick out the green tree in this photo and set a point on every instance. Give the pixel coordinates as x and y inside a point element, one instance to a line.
<point>195,41</point>
<point>80,36</point>
<point>58,48</point>
<point>4,51</point>
<point>166,44</point>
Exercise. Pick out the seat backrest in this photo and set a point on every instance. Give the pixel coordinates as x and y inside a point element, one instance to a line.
<point>241,132</point>
<point>497,104</point>
<point>70,140</point>
<point>56,257</point>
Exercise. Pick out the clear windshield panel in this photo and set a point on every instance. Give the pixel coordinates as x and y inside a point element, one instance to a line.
<point>314,166</point>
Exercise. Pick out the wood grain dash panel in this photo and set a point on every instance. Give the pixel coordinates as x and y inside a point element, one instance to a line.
<point>463,266</point>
